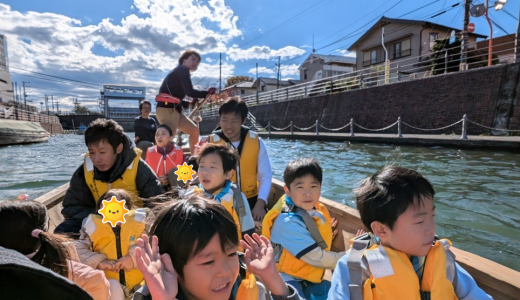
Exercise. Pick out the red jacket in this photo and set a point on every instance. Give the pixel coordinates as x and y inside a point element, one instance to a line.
<point>162,164</point>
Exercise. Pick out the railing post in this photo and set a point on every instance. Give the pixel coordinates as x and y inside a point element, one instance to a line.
<point>399,135</point>
<point>287,94</point>
<point>317,127</point>
<point>269,127</point>
<point>272,97</point>
<point>291,129</point>
<point>305,94</point>
<point>464,135</point>
<point>352,127</point>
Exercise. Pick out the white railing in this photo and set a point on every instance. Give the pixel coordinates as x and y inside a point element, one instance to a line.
<point>400,70</point>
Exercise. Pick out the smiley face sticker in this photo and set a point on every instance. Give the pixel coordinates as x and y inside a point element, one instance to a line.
<point>113,211</point>
<point>184,172</point>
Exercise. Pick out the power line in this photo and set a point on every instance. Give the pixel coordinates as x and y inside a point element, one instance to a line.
<point>58,77</point>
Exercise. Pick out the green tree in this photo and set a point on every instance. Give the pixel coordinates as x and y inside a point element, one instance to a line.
<point>80,110</point>
<point>237,79</point>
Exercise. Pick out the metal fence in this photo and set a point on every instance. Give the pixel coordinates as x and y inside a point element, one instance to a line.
<point>406,69</point>
<point>399,123</point>
<point>16,113</point>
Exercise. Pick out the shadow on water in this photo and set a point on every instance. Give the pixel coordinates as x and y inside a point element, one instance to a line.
<point>477,192</point>
<point>478,196</point>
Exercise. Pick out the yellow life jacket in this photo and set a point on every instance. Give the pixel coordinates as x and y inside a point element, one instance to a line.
<point>234,206</point>
<point>126,182</point>
<point>392,275</point>
<point>289,264</point>
<point>247,169</point>
<point>247,290</point>
<point>104,241</point>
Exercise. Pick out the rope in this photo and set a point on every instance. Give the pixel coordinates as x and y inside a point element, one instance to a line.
<point>387,127</point>
<point>280,129</point>
<point>335,129</point>
<point>303,129</point>
<point>434,129</point>
<point>490,128</point>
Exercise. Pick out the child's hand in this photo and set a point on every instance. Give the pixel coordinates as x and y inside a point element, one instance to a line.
<point>334,224</point>
<point>259,256</point>
<point>107,265</point>
<point>158,271</point>
<point>125,263</point>
<point>259,259</point>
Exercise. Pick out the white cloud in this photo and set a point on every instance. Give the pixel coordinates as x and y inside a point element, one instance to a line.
<point>209,59</point>
<point>345,53</point>
<point>261,70</point>
<point>262,52</point>
<point>290,70</point>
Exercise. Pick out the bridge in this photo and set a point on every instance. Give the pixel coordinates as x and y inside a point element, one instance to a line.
<point>123,115</point>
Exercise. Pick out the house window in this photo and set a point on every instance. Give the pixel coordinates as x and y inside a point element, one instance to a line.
<point>397,50</point>
<point>242,92</point>
<point>433,36</point>
<point>305,74</point>
<point>373,57</point>
<point>263,88</point>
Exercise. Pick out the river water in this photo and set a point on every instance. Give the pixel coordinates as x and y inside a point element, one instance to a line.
<point>477,192</point>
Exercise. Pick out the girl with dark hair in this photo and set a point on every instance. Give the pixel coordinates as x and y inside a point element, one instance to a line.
<point>174,88</point>
<point>164,156</point>
<point>23,228</point>
<point>112,249</point>
<point>193,255</point>
<point>144,128</point>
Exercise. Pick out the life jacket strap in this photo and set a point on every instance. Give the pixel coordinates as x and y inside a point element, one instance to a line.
<point>309,223</point>
<point>355,272</point>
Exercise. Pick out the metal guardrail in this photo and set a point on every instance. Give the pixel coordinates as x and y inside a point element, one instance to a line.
<point>399,124</point>
<point>15,113</point>
<point>415,67</point>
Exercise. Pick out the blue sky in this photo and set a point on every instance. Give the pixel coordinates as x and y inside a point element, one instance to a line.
<point>139,41</point>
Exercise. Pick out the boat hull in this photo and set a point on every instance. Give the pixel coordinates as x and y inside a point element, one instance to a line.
<point>14,132</point>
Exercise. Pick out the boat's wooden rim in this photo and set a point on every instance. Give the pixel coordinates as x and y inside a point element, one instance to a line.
<point>498,280</point>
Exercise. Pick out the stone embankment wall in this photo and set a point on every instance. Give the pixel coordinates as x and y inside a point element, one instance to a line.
<point>424,103</point>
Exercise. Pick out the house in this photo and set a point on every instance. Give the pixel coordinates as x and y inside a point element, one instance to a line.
<point>318,66</point>
<point>241,89</point>
<point>407,42</point>
<point>503,48</point>
<point>263,84</point>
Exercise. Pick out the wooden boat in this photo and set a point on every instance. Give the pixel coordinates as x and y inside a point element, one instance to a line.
<point>497,280</point>
<point>21,132</point>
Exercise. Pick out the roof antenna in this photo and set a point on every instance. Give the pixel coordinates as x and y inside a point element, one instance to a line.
<point>313,50</point>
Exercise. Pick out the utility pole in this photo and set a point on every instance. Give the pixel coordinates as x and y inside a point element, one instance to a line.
<point>47,104</point>
<point>220,74</point>
<point>52,101</point>
<point>256,71</point>
<point>517,43</point>
<point>278,76</point>
<point>465,37</point>
<point>58,107</point>
<point>24,95</point>
<point>15,96</point>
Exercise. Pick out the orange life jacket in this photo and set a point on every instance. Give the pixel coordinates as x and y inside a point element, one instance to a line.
<point>162,164</point>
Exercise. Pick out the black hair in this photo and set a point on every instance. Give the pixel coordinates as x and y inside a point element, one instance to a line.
<point>18,219</point>
<point>228,155</point>
<point>234,105</point>
<point>385,195</point>
<point>193,160</point>
<point>186,226</point>
<point>105,130</point>
<point>300,168</point>
<point>167,128</point>
<point>143,103</point>
<point>187,54</point>
<point>120,194</point>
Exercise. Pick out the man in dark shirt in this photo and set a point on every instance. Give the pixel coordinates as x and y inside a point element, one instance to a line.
<point>144,127</point>
<point>178,84</point>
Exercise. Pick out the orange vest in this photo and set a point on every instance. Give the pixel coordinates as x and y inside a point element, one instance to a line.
<point>162,164</point>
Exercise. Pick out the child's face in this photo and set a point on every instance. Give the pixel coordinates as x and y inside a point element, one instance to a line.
<point>102,155</point>
<point>414,230</point>
<point>211,274</point>
<point>162,137</point>
<point>304,191</point>
<point>211,172</point>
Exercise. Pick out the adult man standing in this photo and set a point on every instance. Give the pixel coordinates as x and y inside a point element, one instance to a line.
<point>111,162</point>
<point>254,173</point>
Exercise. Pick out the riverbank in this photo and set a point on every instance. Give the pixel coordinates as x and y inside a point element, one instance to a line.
<point>509,143</point>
